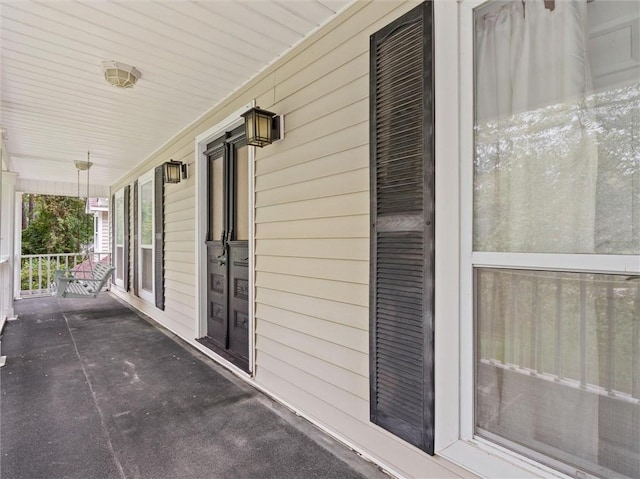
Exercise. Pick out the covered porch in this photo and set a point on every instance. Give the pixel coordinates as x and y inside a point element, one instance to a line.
<point>94,390</point>
<point>446,286</point>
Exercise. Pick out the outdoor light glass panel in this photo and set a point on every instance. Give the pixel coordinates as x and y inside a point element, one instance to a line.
<point>120,75</point>
<point>261,127</point>
<point>172,171</point>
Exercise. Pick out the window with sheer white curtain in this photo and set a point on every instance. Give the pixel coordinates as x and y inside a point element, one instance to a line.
<point>556,171</point>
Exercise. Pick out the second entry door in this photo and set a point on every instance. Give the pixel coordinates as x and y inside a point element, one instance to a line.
<point>228,248</point>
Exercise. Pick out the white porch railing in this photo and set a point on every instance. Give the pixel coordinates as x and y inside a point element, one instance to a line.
<point>37,270</point>
<point>579,332</point>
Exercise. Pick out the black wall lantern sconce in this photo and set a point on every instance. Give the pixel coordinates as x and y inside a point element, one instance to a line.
<point>174,171</point>
<point>262,127</point>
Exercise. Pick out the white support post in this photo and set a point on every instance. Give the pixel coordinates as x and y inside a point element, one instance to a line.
<point>17,246</point>
<point>7,239</point>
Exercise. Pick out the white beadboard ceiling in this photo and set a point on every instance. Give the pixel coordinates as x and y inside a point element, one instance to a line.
<point>56,105</point>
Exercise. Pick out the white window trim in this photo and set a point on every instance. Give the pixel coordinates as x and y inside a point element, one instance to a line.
<point>584,263</point>
<point>118,195</point>
<point>232,121</point>
<point>142,293</point>
<point>454,341</point>
<point>447,227</point>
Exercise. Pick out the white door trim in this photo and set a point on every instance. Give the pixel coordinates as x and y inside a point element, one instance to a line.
<point>232,121</point>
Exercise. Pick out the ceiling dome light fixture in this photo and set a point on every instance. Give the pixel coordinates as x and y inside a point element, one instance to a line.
<point>120,75</point>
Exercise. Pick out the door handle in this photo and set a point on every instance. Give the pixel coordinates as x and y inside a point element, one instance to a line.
<point>221,259</point>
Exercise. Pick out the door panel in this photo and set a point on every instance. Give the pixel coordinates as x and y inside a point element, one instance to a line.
<point>227,249</point>
<point>216,203</point>
<point>217,304</point>
<point>239,298</point>
<point>241,188</point>
<point>217,293</point>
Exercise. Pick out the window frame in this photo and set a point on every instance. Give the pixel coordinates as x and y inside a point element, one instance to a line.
<point>119,195</point>
<point>148,296</point>
<point>454,27</point>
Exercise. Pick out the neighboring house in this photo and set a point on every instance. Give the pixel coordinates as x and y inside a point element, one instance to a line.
<point>99,207</point>
<point>439,263</point>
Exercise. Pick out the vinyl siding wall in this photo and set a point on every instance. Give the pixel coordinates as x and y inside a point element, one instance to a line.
<point>311,235</point>
<point>104,232</point>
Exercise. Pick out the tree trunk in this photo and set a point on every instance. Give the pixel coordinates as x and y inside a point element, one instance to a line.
<point>24,216</point>
<point>30,218</point>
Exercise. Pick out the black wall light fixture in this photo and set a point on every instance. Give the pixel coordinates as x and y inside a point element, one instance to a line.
<point>174,171</point>
<point>262,127</point>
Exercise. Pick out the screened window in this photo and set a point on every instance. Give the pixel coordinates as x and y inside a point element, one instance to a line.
<point>146,242</point>
<point>119,235</point>
<point>557,171</point>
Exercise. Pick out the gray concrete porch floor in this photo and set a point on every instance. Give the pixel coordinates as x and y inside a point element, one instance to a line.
<point>91,389</point>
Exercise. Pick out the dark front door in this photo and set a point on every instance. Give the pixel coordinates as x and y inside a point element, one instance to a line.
<point>228,248</point>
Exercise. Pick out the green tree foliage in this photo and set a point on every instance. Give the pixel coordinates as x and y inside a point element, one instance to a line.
<point>54,224</point>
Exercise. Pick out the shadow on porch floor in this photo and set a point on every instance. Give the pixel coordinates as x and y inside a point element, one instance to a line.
<point>93,390</point>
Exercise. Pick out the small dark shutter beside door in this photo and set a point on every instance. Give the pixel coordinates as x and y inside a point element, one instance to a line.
<point>112,210</point>
<point>127,252</point>
<point>402,235</point>
<point>158,243</point>
<point>134,238</point>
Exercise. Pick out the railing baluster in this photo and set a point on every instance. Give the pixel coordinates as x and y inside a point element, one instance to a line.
<point>513,321</point>
<point>39,273</point>
<point>30,276</point>
<point>49,271</point>
<point>521,336</point>
<point>610,339</point>
<point>497,319</point>
<point>535,366</point>
<point>540,342</point>
<point>558,364</point>
<point>583,333</point>
<point>635,365</point>
<point>490,317</point>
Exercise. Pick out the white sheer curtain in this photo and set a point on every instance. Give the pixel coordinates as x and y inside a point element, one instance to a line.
<point>557,170</point>
<point>536,160</point>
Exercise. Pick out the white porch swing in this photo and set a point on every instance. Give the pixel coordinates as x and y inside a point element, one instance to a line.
<point>74,283</point>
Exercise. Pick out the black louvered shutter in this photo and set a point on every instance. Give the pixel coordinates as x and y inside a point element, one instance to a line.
<point>402,236</point>
<point>127,204</point>
<point>113,237</point>
<point>135,239</point>
<point>158,243</point>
